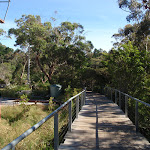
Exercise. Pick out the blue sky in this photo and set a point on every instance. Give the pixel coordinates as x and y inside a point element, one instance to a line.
<point>100,18</point>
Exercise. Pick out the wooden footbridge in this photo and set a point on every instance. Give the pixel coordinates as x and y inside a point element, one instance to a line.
<point>100,125</point>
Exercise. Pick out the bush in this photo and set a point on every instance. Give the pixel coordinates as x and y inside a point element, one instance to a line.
<point>12,91</point>
<point>15,121</point>
<point>41,90</point>
<point>2,81</point>
<point>69,92</point>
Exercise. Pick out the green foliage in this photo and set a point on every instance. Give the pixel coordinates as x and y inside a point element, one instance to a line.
<point>96,71</point>
<point>5,53</point>
<point>12,90</point>
<point>16,121</point>
<point>51,105</point>
<point>75,92</point>
<point>2,32</point>
<point>6,74</point>
<point>41,89</point>
<point>134,7</point>
<point>68,92</point>
<point>2,81</point>
<point>24,99</point>
<point>49,42</point>
<point>127,68</point>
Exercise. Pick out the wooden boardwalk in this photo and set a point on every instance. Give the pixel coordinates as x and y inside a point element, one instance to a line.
<point>101,125</point>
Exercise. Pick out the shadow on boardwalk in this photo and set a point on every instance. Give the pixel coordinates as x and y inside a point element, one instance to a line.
<point>102,125</point>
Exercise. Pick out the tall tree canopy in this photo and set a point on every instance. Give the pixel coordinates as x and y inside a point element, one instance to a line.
<point>138,9</point>
<point>52,47</point>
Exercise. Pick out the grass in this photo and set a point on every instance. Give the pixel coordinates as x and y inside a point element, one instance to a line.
<point>16,120</point>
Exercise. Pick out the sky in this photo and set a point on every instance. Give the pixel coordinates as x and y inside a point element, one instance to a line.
<point>100,18</point>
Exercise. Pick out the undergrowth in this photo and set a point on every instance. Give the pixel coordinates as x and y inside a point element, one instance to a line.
<point>16,120</point>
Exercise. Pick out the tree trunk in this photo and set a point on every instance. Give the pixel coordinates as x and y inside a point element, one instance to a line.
<point>23,70</point>
<point>51,69</point>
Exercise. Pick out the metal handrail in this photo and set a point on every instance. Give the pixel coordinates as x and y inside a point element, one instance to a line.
<point>12,144</point>
<point>137,101</point>
<point>132,97</point>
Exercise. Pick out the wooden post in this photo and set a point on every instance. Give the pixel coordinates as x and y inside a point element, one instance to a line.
<point>56,132</point>
<point>77,106</point>
<point>136,116</point>
<point>70,116</point>
<point>126,106</point>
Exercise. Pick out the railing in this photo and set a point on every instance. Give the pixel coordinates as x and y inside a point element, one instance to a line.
<point>137,110</point>
<point>79,102</point>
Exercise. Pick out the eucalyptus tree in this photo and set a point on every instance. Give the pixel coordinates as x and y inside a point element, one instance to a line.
<point>137,9</point>
<point>124,35</point>
<point>139,13</point>
<point>52,47</point>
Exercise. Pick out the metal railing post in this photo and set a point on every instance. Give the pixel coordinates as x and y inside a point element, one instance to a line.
<point>136,116</point>
<point>77,106</point>
<point>120,99</point>
<point>116,96</point>
<point>56,134</point>
<point>84,96</point>
<point>70,116</point>
<point>81,100</point>
<point>126,106</point>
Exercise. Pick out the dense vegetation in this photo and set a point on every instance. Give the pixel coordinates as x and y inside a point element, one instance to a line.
<point>61,55</point>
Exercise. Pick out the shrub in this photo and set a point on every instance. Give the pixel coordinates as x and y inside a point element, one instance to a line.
<point>15,121</point>
<point>2,81</point>
<point>12,91</point>
<point>41,89</point>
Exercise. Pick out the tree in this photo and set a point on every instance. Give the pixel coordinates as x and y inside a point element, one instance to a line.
<point>52,47</point>
<point>137,33</point>
<point>20,62</point>
<point>143,35</point>
<point>135,8</point>
<point>124,35</point>
<point>128,69</point>
<point>5,53</point>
